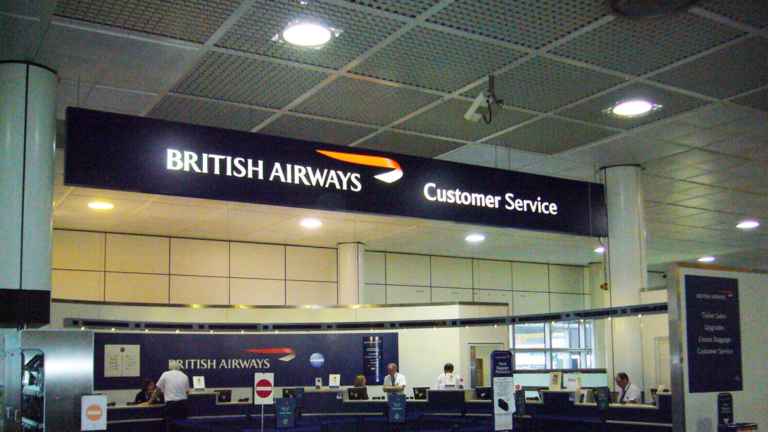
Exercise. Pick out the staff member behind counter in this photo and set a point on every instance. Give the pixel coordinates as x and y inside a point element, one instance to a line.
<point>147,389</point>
<point>441,380</point>
<point>175,384</point>
<point>630,393</point>
<point>394,383</point>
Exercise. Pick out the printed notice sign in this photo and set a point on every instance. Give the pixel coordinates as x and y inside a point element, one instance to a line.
<point>122,361</point>
<point>503,390</point>
<point>714,334</point>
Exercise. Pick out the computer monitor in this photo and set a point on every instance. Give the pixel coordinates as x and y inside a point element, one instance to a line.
<point>531,393</point>
<point>225,396</point>
<point>484,393</point>
<point>420,393</point>
<point>357,393</point>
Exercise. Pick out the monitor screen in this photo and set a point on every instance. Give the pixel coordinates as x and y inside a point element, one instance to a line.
<point>484,393</point>
<point>225,396</point>
<point>289,393</point>
<point>420,393</point>
<point>357,393</point>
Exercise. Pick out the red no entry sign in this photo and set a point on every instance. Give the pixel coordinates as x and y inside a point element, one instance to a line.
<point>263,388</point>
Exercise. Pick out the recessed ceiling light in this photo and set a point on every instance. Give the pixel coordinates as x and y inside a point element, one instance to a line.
<point>306,34</point>
<point>633,108</point>
<point>600,249</point>
<point>311,223</point>
<point>474,238</point>
<point>101,206</point>
<point>748,224</point>
<point>708,258</point>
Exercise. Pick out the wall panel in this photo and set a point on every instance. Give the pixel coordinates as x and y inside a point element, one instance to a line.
<point>199,257</point>
<point>136,288</point>
<point>496,275</point>
<point>451,272</point>
<point>445,295</point>
<point>138,254</point>
<point>311,264</point>
<point>397,294</point>
<point>77,250</point>
<point>77,285</point>
<point>403,269</point>
<point>528,303</point>
<point>374,293</point>
<point>251,260</point>
<point>375,271</point>
<point>566,279</point>
<point>565,302</point>
<point>530,277</point>
<point>256,292</point>
<point>311,293</point>
<point>199,290</point>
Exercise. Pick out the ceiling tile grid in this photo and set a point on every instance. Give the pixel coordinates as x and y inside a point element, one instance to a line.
<point>409,144</point>
<point>757,100</point>
<point>255,82</point>
<point>724,73</point>
<point>595,110</point>
<point>432,59</point>
<point>447,119</point>
<point>208,113</point>
<point>406,8</point>
<point>640,46</point>
<point>625,149</point>
<point>364,101</point>
<point>316,130</point>
<point>529,23</point>
<point>754,13</point>
<point>189,20</point>
<point>550,136</point>
<point>542,84</point>
<point>360,31</point>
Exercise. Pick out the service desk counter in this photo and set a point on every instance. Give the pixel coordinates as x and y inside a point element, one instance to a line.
<point>317,410</point>
<point>557,411</point>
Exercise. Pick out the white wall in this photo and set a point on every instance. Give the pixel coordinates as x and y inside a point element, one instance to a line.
<point>751,404</point>
<point>122,268</point>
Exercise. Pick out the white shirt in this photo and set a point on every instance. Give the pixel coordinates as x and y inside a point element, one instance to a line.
<point>174,385</point>
<point>632,394</point>
<point>441,382</point>
<point>398,381</point>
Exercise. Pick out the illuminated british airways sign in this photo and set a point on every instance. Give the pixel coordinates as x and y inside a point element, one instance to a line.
<point>113,151</point>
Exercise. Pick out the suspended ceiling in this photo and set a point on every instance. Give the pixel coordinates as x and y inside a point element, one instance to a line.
<point>400,77</point>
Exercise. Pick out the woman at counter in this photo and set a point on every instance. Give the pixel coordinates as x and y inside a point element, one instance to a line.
<point>147,388</point>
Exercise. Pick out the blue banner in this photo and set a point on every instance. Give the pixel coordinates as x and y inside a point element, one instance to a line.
<point>373,353</point>
<point>230,360</point>
<point>713,323</point>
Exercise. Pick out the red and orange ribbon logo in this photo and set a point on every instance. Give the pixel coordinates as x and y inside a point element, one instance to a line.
<point>376,161</point>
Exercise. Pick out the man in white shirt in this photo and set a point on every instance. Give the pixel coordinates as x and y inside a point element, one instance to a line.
<point>441,380</point>
<point>630,393</point>
<point>394,383</point>
<point>175,385</point>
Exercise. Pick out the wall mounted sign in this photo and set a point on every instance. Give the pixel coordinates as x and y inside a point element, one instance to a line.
<point>230,360</point>
<point>119,152</point>
<point>714,334</point>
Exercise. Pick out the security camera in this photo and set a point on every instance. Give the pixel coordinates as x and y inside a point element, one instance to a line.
<point>471,113</point>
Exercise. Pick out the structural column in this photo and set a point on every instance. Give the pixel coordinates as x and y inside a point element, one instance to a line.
<point>351,257</point>
<point>627,268</point>
<point>27,135</point>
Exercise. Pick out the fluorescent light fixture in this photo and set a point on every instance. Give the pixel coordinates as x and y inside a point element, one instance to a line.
<point>748,224</point>
<point>708,258</point>
<point>306,34</point>
<point>311,223</point>
<point>600,249</point>
<point>633,108</point>
<point>101,205</point>
<point>474,238</point>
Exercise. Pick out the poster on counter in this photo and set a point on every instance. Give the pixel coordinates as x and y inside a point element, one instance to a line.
<point>122,360</point>
<point>714,334</point>
<point>503,390</point>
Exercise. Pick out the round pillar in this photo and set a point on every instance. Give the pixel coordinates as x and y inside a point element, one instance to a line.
<point>27,139</point>
<point>351,257</point>
<point>627,268</point>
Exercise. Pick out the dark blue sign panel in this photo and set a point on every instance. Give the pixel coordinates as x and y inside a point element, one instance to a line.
<point>373,354</point>
<point>113,151</point>
<point>714,334</point>
<point>230,360</point>
<point>504,402</point>
<point>285,409</point>
<point>396,404</point>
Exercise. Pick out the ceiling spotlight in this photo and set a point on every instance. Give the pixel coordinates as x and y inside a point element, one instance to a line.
<point>632,108</point>
<point>708,258</point>
<point>311,223</point>
<point>748,224</point>
<point>101,205</point>
<point>474,238</point>
<point>306,34</point>
<point>600,249</point>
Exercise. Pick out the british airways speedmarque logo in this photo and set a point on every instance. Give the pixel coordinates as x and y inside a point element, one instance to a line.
<point>375,161</point>
<point>291,353</point>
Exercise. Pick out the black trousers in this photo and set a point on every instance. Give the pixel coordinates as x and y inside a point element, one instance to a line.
<point>176,409</point>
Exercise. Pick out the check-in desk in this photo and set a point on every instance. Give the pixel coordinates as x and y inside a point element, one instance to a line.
<point>558,412</point>
<point>317,410</point>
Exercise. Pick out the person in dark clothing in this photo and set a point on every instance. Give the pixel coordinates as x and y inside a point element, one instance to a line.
<point>147,388</point>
